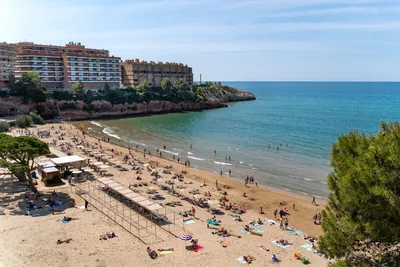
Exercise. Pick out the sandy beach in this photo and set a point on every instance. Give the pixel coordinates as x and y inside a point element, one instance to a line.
<point>31,240</point>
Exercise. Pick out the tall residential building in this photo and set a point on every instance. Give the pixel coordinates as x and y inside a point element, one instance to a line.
<point>135,72</point>
<point>60,66</point>
<point>7,60</point>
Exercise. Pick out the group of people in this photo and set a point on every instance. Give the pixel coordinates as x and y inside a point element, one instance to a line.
<point>317,218</point>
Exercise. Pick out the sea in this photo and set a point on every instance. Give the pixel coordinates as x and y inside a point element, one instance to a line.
<point>283,139</point>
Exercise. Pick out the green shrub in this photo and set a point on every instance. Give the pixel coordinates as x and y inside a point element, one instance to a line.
<point>3,126</point>
<point>37,119</point>
<point>67,106</point>
<point>56,180</point>
<point>23,121</point>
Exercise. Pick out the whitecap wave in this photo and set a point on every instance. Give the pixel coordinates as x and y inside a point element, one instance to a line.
<point>190,157</point>
<point>177,149</point>
<point>190,153</point>
<point>138,143</point>
<point>96,123</point>
<point>308,179</point>
<point>241,162</point>
<point>222,163</point>
<point>110,133</point>
<point>170,152</point>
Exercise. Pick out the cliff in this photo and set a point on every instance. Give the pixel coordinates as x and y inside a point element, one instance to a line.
<point>210,96</point>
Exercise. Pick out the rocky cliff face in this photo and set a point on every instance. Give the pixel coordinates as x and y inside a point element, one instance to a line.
<point>214,96</point>
<point>225,96</point>
<point>154,107</point>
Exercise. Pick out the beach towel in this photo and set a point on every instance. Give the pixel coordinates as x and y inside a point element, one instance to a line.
<point>241,260</point>
<point>198,248</point>
<point>255,224</point>
<point>188,222</point>
<point>243,231</point>
<point>225,244</point>
<point>258,230</point>
<point>298,233</point>
<point>280,245</point>
<point>165,252</point>
<point>64,221</point>
<point>80,207</point>
<point>213,223</point>
<point>307,247</point>
<point>271,222</point>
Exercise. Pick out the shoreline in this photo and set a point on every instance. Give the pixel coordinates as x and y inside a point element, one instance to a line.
<point>235,182</point>
<point>124,144</point>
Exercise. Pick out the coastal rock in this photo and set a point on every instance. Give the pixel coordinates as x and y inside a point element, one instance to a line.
<point>219,94</point>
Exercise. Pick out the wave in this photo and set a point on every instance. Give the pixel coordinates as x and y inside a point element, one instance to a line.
<point>170,152</point>
<point>190,153</point>
<point>308,179</point>
<point>110,133</point>
<point>138,143</point>
<point>190,157</point>
<point>176,149</point>
<point>241,162</point>
<point>96,123</point>
<point>222,163</point>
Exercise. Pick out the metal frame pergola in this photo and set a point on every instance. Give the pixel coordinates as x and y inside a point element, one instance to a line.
<point>133,212</point>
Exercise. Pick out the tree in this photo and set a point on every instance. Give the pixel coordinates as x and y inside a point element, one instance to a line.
<point>3,126</point>
<point>107,88</point>
<point>23,121</point>
<point>166,84</point>
<point>18,154</point>
<point>36,119</point>
<point>28,87</point>
<point>79,90</point>
<point>361,222</point>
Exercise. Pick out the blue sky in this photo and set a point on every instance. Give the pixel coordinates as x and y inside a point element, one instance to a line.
<point>226,40</point>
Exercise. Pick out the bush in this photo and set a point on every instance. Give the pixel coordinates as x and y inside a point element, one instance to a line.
<point>3,126</point>
<point>37,119</point>
<point>67,106</point>
<point>56,180</point>
<point>23,121</point>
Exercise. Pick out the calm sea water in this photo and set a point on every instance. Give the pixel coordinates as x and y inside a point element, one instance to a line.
<point>308,117</point>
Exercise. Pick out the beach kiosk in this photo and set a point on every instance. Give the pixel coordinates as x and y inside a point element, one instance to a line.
<point>74,161</point>
<point>48,170</point>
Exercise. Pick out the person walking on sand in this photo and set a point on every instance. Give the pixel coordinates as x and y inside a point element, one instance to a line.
<point>313,201</point>
<point>286,223</point>
<point>86,204</point>
<point>315,219</point>
<point>294,207</point>
<point>216,183</point>
<point>194,212</point>
<point>261,209</point>
<point>275,212</point>
<point>319,218</point>
<point>220,173</point>
<point>230,173</point>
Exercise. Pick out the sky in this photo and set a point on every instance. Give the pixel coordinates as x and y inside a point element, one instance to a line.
<point>225,40</point>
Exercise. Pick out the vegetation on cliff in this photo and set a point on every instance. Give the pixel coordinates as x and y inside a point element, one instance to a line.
<point>362,219</point>
<point>29,90</point>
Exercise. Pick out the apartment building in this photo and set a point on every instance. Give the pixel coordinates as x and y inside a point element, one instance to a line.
<point>135,72</point>
<point>7,60</point>
<point>60,66</point>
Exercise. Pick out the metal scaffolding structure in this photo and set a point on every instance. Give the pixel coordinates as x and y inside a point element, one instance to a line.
<point>144,219</point>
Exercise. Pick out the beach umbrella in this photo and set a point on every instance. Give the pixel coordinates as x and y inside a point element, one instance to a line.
<point>185,237</point>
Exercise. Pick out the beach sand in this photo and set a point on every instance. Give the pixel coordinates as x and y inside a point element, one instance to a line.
<point>31,240</point>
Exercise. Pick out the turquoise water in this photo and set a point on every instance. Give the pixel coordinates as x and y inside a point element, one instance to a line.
<point>308,117</point>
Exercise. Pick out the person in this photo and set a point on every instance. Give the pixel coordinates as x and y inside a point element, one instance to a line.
<point>259,221</point>
<point>286,223</point>
<point>315,219</point>
<point>274,258</point>
<point>215,152</point>
<point>319,218</point>
<point>244,194</point>
<point>275,212</point>
<point>313,201</point>
<point>67,218</point>
<point>294,206</point>
<point>220,173</point>
<point>216,183</point>
<point>261,209</point>
<point>152,253</point>
<point>86,204</point>
<point>281,224</point>
<point>230,173</point>
<point>191,146</point>
<point>194,212</point>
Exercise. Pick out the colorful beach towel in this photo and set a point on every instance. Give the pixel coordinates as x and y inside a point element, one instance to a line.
<point>188,222</point>
<point>213,223</point>
<point>64,221</point>
<point>198,248</point>
<point>165,252</point>
<point>243,231</point>
<point>280,245</point>
<point>258,230</point>
<point>271,222</point>
<point>241,260</point>
<point>307,247</point>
